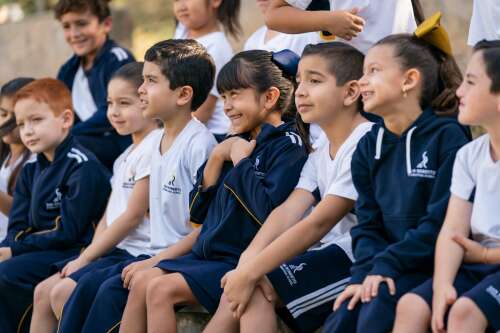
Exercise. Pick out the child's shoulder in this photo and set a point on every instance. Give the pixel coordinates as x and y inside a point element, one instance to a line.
<point>113,53</point>
<point>476,149</point>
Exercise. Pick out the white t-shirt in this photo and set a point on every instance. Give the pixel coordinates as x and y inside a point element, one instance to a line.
<point>5,172</point>
<point>173,176</point>
<point>485,21</point>
<point>131,166</point>
<point>83,102</point>
<point>475,174</point>
<point>333,177</point>
<point>281,41</point>
<point>383,18</point>
<point>218,47</point>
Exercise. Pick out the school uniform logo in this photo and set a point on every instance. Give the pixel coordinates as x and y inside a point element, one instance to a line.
<point>130,182</point>
<point>260,174</point>
<point>291,270</point>
<point>56,202</point>
<point>422,169</point>
<point>171,186</point>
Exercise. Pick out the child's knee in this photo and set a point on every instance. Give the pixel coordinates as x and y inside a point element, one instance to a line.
<point>464,309</point>
<point>41,294</point>
<point>163,290</point>
<point>412,306</point>
<point>60,293</point>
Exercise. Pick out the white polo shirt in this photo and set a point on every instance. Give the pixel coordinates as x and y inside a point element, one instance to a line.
<point>477,176</point>
<point>173,176</point>
<point>333,177</point>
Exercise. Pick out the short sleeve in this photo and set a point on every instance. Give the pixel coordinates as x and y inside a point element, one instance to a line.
<point>463,180</point>
<point>308,177</point>
<point>143,166</point>
<point>342,185</point>
<point>199,152</point>
<point>301,4</point>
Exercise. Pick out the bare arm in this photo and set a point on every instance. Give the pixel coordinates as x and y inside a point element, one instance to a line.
<point>300,237</point>
<point>344,24</point>
<point>5,203</point>
<point>180,248</point>
<point>206,110</point>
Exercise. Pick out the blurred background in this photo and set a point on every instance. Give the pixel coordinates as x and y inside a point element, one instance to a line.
<point>32,43</point>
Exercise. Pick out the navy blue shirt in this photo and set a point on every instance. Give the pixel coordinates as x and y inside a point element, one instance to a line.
<point>233,210</point>
<point>56,204</point>
<point>403,185</point>
<point>108,60</point>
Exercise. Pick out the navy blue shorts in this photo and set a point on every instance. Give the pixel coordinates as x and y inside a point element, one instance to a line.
<point>202,275</point>
<point>115,256</point>
<point>309,284</point>
<point>480,283</point>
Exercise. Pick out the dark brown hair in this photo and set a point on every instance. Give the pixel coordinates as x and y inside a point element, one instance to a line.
<point>99,8</point>
<point>490,50</point>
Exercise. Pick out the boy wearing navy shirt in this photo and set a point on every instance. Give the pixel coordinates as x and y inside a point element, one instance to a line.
<point>86,26</point>
<point>51,217</point>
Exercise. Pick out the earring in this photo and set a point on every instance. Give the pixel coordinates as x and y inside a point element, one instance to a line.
<point>405,94</point>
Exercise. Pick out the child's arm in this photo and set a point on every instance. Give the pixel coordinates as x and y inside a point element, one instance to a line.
<point>206,110</point>
<point>475,253</point>
<point>239,284</point>
<point>213,168</point>
<point>5,203</point>
<point>110,236</point>
<point>449,257</point>
<point>180,248</point>
<point>85,197</point>
<point>344,24</point>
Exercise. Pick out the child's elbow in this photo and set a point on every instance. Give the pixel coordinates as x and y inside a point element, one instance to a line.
<point>272,13</point>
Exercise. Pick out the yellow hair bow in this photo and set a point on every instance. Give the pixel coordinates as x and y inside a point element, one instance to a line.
<point>433,33</point>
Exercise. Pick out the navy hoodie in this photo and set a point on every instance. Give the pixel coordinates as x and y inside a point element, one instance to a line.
<point>56,203</point>
<point>233,210</point>
<point>108,60</point>
<point>403,184</point>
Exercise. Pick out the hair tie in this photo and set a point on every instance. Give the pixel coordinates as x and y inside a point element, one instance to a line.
<point>287,61</point>
<point>433,33</point>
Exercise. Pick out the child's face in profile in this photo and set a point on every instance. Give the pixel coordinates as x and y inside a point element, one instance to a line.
<point>6,114</point>
<point>381,84</point>
<point>41,130</point>
<point>477,103</point>
<point>317,97</point>
<point>125,108</point>
<point>84,33</point>
<point>159,100</point>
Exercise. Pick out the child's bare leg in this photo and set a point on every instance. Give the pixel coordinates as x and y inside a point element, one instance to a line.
<point>135,316</point>
<point>43,318</point>
<point>465,316</point>
<point>223,320</point>
<point>259,316</point>
<point>60,295</point>
<point>163,294</point>
<point>413,315</point>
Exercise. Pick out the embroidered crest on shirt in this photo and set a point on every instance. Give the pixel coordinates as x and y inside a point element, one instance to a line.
<point>56,202</point>
<point>171,186</point>
<point>291,270</point>
<point>256,165</point>
<point>422,170</point>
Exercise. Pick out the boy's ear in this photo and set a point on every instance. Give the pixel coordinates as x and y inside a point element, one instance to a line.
<point>351,93</point>
<point>184,95</point>
<point>411,79</point>
<point>107,24</point>
<point>271,98</point>
<point>216,3</point>
<point>68,118</point>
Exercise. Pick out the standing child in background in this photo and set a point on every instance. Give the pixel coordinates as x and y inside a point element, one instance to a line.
<point>178,75</point>
<point>473,210</point>
<point>485,21</point>
<point>328,94</point>
<point>245,178</point>
<point>86,25</point>
<point>202,21</point>
<point>122,233</point>
<point>13,153</point>
<point>402,172</point>
<point>57,199</point>
<point>360,23</point>
<point>274,41</point>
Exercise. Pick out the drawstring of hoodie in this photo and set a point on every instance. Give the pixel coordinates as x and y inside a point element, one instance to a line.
<point>378,147</point>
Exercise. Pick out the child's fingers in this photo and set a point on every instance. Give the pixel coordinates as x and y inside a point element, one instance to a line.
<point>267,290</point>
<point>391,285</point>
<point>223,281</point>
<point>338,302</point>
<point>354,300</point>
<point>462,241</point>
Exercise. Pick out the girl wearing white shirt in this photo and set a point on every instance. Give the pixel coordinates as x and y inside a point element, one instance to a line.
<point>202,20</point>
<point>13,154</point>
